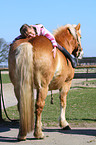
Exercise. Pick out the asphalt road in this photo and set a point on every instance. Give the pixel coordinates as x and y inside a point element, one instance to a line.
<point>53,136</point>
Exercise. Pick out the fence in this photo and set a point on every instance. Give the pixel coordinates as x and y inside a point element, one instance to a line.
<point>85,63</point>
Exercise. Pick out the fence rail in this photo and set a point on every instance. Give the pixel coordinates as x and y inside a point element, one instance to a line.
<point>86,63</point>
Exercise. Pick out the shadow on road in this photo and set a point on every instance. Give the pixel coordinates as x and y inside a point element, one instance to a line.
<point>89,132</point>
<point>6,126</point>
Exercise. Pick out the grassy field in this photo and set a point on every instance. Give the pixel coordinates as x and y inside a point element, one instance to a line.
<point>80,111</point>
<point>5,78</point>
<point>81,106</point>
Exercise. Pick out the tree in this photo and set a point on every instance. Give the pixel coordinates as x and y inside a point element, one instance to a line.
<point>4,49</point>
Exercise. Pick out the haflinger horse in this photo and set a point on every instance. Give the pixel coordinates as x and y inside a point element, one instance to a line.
<point>32,65</point>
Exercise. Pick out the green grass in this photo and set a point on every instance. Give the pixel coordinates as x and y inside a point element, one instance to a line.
<point>81,107</point>
<point>5,78</point>
<point>85,70</point>
<point>81,104</point>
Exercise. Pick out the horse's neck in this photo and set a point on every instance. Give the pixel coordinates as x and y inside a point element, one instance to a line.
<point>65,39</point>
<point>66,44</point>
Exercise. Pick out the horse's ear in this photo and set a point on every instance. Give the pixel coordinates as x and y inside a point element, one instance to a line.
<point>78,27</point>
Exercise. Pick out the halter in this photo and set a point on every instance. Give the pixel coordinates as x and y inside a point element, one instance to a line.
<point>79,46</point>
<point>78,42</point>
<point>76,37</point>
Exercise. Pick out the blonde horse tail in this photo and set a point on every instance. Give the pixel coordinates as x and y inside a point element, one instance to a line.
<point>24,73</point>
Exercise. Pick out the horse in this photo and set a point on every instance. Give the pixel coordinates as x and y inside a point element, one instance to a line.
<point>32,65</point>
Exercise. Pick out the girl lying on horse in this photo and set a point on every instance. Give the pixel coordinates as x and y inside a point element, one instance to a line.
<point>39,29</point>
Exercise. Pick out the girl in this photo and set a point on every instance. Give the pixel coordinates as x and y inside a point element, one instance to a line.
<point>39,29</point>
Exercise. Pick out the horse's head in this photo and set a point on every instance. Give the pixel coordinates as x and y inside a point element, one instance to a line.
<point>78,51</point>
<point>69,36</point>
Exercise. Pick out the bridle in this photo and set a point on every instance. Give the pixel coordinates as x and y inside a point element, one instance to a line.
<point>78,49</point>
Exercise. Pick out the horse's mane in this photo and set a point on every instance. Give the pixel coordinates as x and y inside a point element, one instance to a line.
<point>69,26</point>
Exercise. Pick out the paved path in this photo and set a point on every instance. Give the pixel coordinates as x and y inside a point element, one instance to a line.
<point>9,96</point>
<point>53,136</point>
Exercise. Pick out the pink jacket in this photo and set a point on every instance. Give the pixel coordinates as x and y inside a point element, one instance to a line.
<point>41,30</point>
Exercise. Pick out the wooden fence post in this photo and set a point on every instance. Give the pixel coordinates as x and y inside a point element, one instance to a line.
<point>0,99</point>
<point>87,73</point>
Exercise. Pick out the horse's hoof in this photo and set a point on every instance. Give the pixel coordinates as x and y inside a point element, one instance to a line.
<point>39,136</point>
<point>67,128</point>
<point>20,138</point>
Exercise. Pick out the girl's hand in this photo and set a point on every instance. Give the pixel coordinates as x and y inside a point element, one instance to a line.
<point>31,35</point>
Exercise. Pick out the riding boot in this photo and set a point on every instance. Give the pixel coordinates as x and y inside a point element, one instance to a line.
<point>67,55</point>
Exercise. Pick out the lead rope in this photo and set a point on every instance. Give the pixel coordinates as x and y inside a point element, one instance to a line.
<point>3,102</point>
<point>51,98</point>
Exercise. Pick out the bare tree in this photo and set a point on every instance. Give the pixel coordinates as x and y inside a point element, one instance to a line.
<point>4,49</point>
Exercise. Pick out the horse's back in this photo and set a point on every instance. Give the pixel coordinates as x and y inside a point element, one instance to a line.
<point>43,61</point>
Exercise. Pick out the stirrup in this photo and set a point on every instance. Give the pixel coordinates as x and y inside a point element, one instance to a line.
<point>74,62</point>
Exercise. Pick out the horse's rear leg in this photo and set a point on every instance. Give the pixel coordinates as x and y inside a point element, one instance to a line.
<point>17,94</point>
<point>64,91</point>
<point>40,102</point>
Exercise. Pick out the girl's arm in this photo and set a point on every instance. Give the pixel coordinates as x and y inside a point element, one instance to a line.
<point>47,34</point>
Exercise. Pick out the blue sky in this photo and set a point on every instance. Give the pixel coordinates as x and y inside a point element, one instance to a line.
<point>52,14</point>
